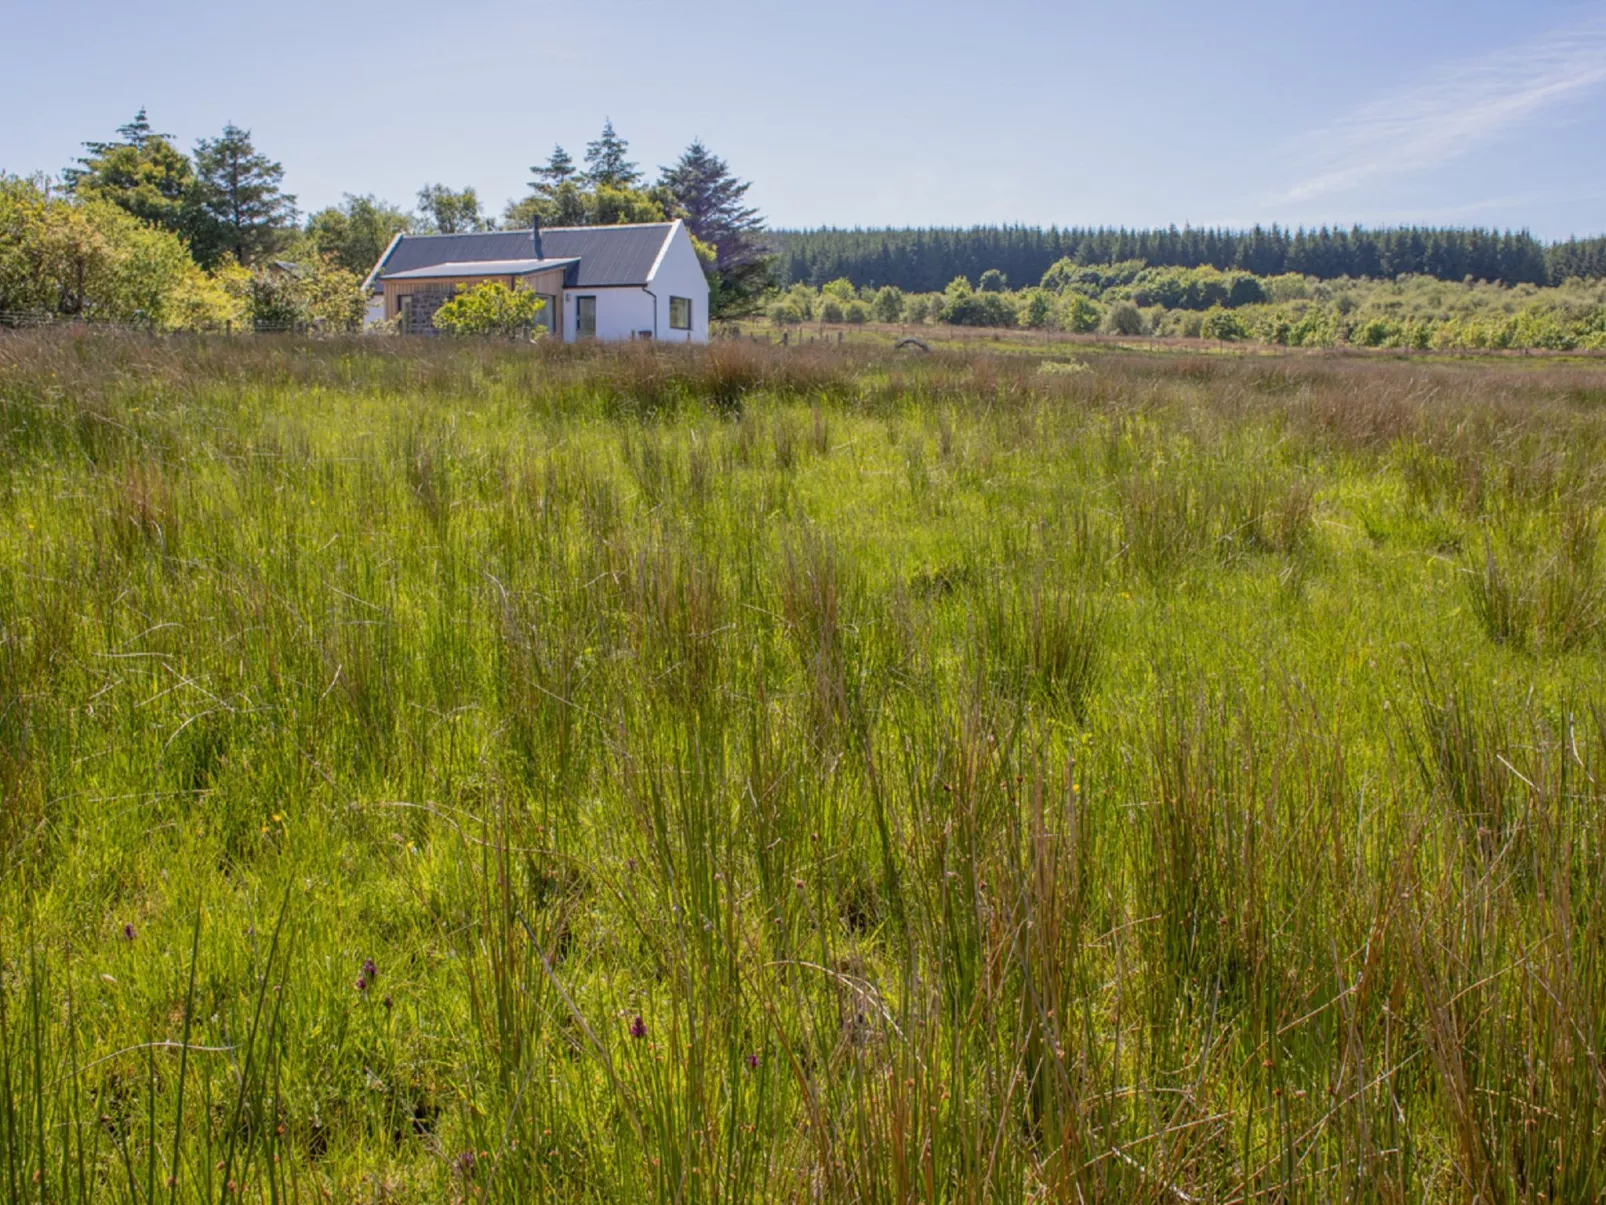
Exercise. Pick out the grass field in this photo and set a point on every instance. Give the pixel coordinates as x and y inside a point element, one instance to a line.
<point>816,774</point>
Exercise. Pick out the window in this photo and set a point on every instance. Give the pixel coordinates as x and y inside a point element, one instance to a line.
<point>585,317</point>
<point>680,313</point>
<point>548,315</point>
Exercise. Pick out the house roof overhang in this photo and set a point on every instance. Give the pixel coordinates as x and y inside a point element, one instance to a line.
<point>492,267</point>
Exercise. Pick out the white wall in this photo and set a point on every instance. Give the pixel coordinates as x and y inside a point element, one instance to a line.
<point>624,313</point>
<point>620,312</point>
<point>680,274</point>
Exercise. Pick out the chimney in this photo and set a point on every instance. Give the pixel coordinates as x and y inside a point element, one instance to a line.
<point>535,234</point>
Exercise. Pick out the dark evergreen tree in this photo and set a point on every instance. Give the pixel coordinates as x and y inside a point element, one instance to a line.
<point>608,163</point>
<point>142,172</point>
<point>558,170</point>
<point>243,210</point>
<point>713,203</point>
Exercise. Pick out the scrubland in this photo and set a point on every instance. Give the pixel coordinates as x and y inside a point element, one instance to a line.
<point>470,772</point>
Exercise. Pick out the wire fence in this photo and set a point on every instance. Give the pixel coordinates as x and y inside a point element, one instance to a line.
<point>32,320</point>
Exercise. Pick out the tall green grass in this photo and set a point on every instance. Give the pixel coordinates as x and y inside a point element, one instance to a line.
<point>749,774</point>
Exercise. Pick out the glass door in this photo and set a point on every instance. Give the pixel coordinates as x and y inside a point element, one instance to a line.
<point>585,317</point>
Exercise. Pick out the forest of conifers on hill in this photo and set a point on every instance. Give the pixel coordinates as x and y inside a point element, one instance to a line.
<point>924,261</point>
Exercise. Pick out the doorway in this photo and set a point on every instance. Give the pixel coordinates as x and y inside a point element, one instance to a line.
<point>585,317</point>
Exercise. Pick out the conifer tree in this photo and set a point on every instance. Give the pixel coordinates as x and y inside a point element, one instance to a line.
<point>558,170</point>
<point>142,172</point>
<point>712,201</point>
<point>245,213</point>
<point>607,162</point>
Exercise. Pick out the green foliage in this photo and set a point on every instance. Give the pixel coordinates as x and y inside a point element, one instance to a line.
<point>922,260</point>
<point>1294,311</point>
<point>703,191</point>
<point>1037,309</point>
<point>450,211</point>
<point>91,260</point>
<point>443,772</point>
<point>355,233</point>
<point>143,174</point>
<point>1124,318</point>
<point>992,281</point>
<point>575,204</point>
<point>963,307</point>
<point>785,313</point>
<point>558,170</point>
<point>1079,314</point>
<point>319,295</point>
<point>243,212</point>
<point>607,161</point>
<point>1194,288</point>
<point>1223,324</point>
<point>490,309</point>
<point>888,304</point>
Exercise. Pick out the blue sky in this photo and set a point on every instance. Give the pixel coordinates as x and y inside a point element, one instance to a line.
<point>872,113</point>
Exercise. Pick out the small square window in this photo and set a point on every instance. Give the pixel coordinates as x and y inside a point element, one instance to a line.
<point>680,313</point>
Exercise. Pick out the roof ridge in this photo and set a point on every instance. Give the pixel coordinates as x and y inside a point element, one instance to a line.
<point>609,226</point>
<point>544,230</point>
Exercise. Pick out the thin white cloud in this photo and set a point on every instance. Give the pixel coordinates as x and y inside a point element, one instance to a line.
<point>1455,110</point>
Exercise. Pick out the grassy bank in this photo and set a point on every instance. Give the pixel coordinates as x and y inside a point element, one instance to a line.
<point>465,772</point>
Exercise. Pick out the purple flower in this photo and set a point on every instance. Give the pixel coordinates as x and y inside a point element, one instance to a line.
<point>128,932</point>
<point>465,1163</point>
<point>369,971</point>
<point>638,1028</point>
<point>752,1061</point>
<point>362,984</point>
<point>386,1002</point>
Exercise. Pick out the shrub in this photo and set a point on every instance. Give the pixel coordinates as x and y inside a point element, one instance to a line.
<point>1123,318</point>
<point>1080,314</point>
<point>1223,324</point>
<point>1037,309</point>
<point>489,309</point>
<point>888,304</point>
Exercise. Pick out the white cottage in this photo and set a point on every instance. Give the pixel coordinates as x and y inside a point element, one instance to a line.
<point>599,282</point>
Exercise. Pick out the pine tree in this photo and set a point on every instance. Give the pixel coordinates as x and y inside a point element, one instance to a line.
<point>142,173</point>
<point>606,162</point>
<point>713,203</point>
<point>558,171</point>
<point>245,212</point>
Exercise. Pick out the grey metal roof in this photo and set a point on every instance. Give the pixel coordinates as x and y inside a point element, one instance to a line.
<point>607,255</point>
<point>484,267</point>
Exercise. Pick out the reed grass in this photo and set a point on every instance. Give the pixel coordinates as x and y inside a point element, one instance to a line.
<point>482,773</point>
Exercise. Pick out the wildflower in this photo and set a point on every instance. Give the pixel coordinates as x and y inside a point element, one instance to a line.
<point>386,1002</point>
<point>369,971</point>
<point>752,1062</point>
<point>128,932</point>
<point>638,1028</point>
<point>362,984</point>
<point>465,1163</point>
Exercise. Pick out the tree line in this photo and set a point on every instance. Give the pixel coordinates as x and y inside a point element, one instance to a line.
<point>234,247</point>
<point>926,260</point>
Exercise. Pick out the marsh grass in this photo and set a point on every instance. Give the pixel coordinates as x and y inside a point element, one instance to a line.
<point>479,773</point>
